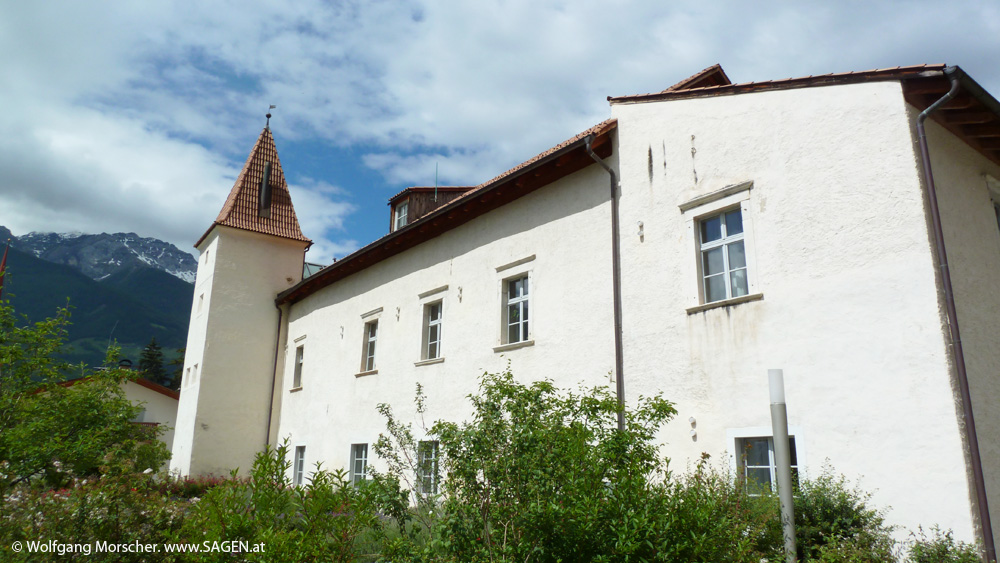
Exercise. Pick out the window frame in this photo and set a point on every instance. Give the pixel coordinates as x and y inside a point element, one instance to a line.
<point>369,346</point>
<point>428,324</point>
<point>299,466</point>
<point>428,484</point>
<point>523,303</point>
<point>735,437</point>
<point>725,242</point>
<point>297,366</point>
<point>401,219</point>
<point>707,206</point>
<point>359,453</point>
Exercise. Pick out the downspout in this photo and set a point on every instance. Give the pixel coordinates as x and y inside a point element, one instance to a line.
<point>956,340</point>
<point>274,376</point>
<point>616,274</point>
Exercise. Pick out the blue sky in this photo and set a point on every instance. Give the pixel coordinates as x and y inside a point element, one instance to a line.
<point>137,116</point>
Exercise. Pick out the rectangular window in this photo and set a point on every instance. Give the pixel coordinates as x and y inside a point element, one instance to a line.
<point>371,335</point>
<point>755,461</point>
<point>723,256</point>
<point>299,466</point>
<point>359,463</point>
<point>516,310</point>
<point>432,330</point>
<point>427,467</point>
<point>402,210</point>
<point>297,380</point>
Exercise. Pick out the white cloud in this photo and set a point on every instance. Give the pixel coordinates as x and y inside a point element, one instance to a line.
<point>137,115</point>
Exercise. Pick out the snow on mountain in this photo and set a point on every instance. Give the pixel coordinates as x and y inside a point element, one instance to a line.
<point>100,255</point>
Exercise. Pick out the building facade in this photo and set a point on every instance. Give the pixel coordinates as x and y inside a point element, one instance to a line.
<point>785,224</point>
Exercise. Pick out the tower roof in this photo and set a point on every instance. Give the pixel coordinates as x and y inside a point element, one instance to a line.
<point>242,207</point>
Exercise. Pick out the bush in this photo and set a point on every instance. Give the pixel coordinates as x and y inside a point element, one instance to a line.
<point>942,548</point>
<point>833,519</point>
<point>325,520</point>
<point>117,509</point>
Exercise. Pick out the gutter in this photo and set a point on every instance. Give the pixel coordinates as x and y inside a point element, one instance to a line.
<point>958,78</point>
<point>274,377</point>
<point>616,274</point>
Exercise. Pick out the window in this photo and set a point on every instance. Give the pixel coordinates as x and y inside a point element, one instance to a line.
<point>371,335</point>
<point>755,462</point>
<point>359,463</point>
<point>516,310</point>
<point>432,331</point>
<point>299,466</point>
<point>723,256</point>
<point>402,208</point>
<point>427,468</point>
<point>297,380</point>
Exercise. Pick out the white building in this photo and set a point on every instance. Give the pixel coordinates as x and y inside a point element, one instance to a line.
<point>784,224</point>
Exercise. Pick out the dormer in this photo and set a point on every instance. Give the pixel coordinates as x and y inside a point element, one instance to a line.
<point>413,203</point>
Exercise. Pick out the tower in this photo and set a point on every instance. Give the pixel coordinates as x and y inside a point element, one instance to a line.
<point>253,250</point>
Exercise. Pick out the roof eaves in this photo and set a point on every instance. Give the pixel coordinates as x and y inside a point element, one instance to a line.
<point>317,280</point>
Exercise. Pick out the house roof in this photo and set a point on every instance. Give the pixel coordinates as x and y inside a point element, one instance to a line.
<point>165,391</point>
<point>241,210</point>
<point>427,189</point>
<point>973,115</point>
<point>557,162</point>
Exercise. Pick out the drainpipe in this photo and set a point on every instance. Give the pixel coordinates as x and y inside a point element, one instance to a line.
<point>956,341</point>
<point>616,275</point>
<point>274,377</point>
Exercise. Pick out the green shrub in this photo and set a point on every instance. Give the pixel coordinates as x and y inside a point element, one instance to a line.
<point>831,515</point>
<point>114,508</point>
<point>942,548</point>
<point>325,520</point>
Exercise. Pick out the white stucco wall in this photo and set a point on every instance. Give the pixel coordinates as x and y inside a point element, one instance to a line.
<point>972,242</point>
<point>564,226</point>
<point>158,408</point>
<point>223,411</point>
<point>843,262</point>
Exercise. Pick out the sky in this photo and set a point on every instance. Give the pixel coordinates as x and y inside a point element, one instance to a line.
<point>125,116</point>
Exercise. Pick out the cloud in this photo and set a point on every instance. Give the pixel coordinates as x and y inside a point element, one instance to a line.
<point>137,116</point>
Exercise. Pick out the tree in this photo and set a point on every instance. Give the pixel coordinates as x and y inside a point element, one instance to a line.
<point>151,364</point>
<point>59,421</point>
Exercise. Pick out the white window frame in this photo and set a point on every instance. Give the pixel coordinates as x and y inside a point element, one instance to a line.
<point>299,361</point>
<point>428,484</point>
<point>521,302</point>
<point>736,436</point>
<point>725,242</point>
<point>402,213</point>
<point>299,466</point>
<point>427,334</point>
<point>369,346</point>
<point>737,196</point>
<point>359,453</point>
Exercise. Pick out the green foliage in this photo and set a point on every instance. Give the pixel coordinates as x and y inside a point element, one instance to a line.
<point>151,364</point>
<point>833,519</point>
<point>544,475</point>
<point>325,520</point>
<point>117,509</point>
<point>59,431</point>
<point>942,548</point>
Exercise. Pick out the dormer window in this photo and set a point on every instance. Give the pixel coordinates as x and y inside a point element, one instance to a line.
<point>401,211</point>
<point>264,197</point>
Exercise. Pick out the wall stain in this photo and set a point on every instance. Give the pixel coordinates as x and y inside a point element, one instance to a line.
<point>694,169</point>
<point>649,163</point>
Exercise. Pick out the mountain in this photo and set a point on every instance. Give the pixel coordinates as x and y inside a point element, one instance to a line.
<point>120,287</point>
<point>99,256</point>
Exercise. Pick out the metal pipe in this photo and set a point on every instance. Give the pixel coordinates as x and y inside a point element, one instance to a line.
<point>955,75</point>
<point>616,270</point>
<point>274,376</point>
<point>782,459</point>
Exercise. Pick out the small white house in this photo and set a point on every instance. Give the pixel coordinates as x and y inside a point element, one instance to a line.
<point>804,224</point>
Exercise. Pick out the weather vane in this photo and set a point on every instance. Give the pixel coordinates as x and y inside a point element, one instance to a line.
<point>268,115</point>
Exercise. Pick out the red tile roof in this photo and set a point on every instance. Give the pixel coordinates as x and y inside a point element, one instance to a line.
<point>693,90</point>
<point>241,208</point>
<point>711,76</point>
